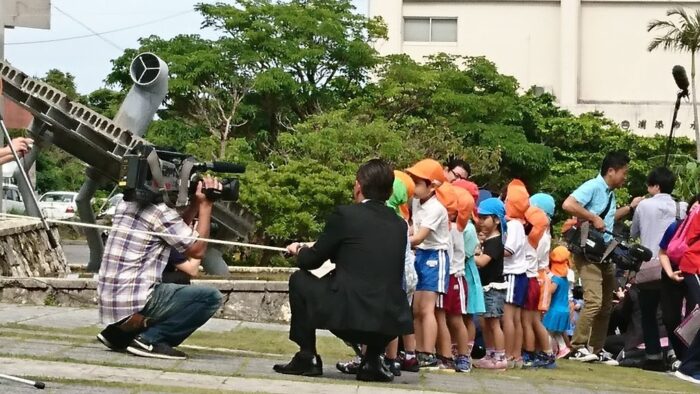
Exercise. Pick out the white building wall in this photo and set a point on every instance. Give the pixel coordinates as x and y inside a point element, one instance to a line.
<point>590,53</point>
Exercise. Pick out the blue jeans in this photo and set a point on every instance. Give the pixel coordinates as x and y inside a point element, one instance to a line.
<point>176,311</point>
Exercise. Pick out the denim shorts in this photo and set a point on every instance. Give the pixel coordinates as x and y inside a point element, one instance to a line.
<point>494,300</point>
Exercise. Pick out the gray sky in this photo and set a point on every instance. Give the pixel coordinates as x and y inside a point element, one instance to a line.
<point>89,58</point>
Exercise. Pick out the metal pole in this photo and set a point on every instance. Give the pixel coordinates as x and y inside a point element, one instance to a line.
<point>52,239</point>
<point>37,384</point>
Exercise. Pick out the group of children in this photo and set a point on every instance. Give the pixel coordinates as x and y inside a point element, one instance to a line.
<point>490,263</point>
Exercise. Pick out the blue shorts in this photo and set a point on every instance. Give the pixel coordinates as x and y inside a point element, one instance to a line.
<point>516,293</point>
<point>433,269</point>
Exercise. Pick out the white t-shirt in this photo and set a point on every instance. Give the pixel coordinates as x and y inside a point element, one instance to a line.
<point>516,244</point>
<point>433,215</point>
<point>456,252</point>
<point>538,259</point>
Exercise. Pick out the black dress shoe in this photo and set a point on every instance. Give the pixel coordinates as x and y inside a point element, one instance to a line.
<point>301,364</point>
<point>373,370</point>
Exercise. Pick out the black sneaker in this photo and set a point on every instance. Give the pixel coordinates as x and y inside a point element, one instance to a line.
<point>393,366</point>
<point>426,360</point>
<point>583,355</point>
<point>141,347</point>
<point>115,339</point>
<point>606,358</point>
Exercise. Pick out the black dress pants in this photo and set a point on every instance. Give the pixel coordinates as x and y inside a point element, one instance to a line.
<point>304,291</point>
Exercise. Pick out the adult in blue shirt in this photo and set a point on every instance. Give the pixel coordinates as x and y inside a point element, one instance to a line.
<point>587,203</point>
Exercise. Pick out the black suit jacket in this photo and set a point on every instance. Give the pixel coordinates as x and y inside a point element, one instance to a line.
<point>367,243</point>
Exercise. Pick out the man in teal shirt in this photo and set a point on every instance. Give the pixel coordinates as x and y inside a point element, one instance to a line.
<point>587,203</point>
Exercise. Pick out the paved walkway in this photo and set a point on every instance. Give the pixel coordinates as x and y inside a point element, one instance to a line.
<point>77,363</point>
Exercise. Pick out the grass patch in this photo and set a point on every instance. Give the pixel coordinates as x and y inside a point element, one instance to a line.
<point>598,376</point>
<point>568,373</point>
<point>248,339</point>
<point>268,341</point>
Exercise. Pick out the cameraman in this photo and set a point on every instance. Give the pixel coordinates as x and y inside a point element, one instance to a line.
<point>594,201</point>
<point>145,316</point>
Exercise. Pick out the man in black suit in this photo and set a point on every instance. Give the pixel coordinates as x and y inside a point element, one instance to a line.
<point>362,300</point>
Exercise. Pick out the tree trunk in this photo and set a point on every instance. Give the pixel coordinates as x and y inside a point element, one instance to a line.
<point>695,108</point>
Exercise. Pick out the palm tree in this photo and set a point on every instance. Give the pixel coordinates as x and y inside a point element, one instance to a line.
<point>681,33</point>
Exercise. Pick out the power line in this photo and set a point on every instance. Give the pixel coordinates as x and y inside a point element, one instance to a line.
<point>101,33</point>
<point>88,28</point>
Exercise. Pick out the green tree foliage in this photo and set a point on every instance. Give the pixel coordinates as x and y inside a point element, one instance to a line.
<point>65,82</point>
<point>285,89</point>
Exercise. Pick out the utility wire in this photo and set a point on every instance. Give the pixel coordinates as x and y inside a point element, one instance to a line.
<point>88,28</point>
<point>101,33</point>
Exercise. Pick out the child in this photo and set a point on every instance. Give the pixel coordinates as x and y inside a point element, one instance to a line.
<point>431,238</point>
<point>490,262</point>
<point>534,331</point>
<point>557,318</point>
<point>453,305</point>
<point>514,270</point>
<point>475,297</point>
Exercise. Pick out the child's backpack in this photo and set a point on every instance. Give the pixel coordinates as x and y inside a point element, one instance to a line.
<point>679,244</point>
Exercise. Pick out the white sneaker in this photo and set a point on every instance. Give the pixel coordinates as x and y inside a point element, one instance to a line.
<point>682,376</point>
<point>583,355</point>
<point>606,358</point>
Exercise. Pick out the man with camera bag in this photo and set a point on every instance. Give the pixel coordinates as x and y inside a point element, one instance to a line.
<point>594,202</point>
<point>145,316</point>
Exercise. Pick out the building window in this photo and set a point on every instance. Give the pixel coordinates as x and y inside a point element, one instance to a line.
<point>430,29</point>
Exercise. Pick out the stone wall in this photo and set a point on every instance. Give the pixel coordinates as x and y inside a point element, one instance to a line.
<point>25,250</point>
<point>256,301</point>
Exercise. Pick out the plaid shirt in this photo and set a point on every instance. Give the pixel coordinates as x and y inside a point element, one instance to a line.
<point>133,263</point>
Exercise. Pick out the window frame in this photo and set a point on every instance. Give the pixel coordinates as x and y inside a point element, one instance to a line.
<point>430,20</point>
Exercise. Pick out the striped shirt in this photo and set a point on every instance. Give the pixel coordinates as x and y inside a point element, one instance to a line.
<point>133,263</point>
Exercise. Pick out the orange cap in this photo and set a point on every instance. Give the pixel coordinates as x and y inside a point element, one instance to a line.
<point>465,207</point>
<point>447,196</point>
<point>473,190</point>
<point>559,261</point>
<point>540,223</point>
<point>429,169</point>
<point>406,180</point>
<point>517,200</point>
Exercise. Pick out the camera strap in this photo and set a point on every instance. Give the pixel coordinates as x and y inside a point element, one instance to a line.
<point>154,164</point>
<point>185,172</point>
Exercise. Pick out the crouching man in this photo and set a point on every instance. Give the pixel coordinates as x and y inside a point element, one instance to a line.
<point>146,317</point>
<point>362,301</point>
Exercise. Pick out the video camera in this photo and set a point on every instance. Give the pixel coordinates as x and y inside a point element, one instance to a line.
<point>150,175</point>
<point>584,240</point>
<point>629,257</point>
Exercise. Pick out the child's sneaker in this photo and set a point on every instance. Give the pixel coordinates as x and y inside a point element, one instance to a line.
<point>563,352</point>
<point>499,365</point>
<point>410,364</point>
<point>483,362</point>
<point>427,360</point>
<point>583,355</point>
<point>543,360</point>
<point>528,360</point>
<point>445,364</point>
<point>349,367</point>
<point>463,364</point>
<point>393,366</point>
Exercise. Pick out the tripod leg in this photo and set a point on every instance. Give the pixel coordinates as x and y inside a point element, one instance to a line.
<point>37,384</point>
